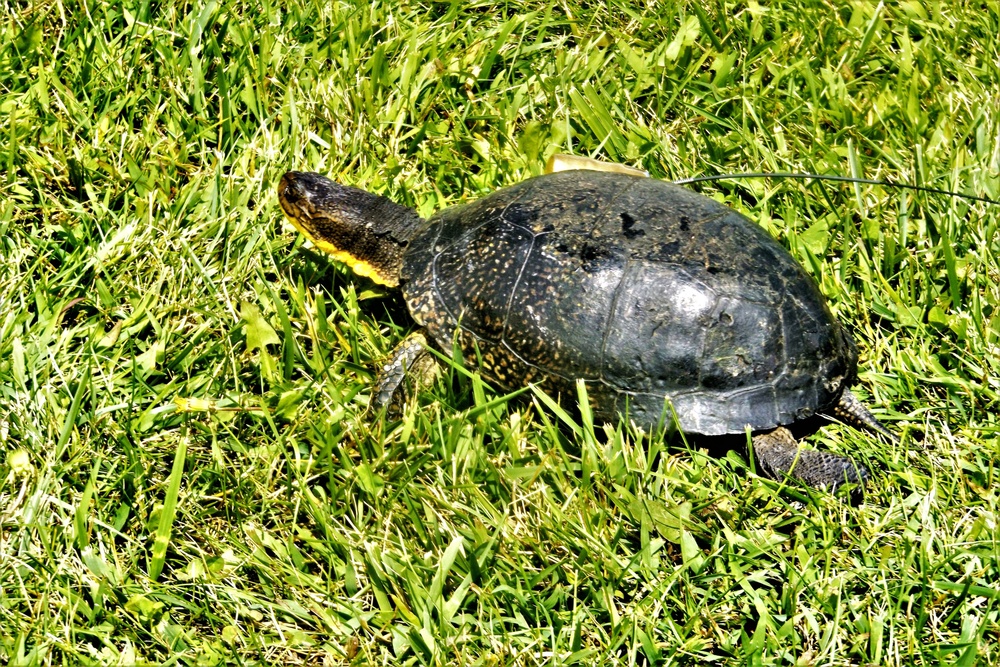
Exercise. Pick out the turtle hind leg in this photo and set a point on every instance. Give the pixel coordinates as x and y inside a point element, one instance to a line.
<point>853,412</point>
<point>409,367</point>
<point>778,454</point>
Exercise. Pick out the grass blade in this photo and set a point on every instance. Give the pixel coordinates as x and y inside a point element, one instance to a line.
<point>161,538</point>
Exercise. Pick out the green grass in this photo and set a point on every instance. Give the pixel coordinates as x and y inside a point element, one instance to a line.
<point>187,471</point>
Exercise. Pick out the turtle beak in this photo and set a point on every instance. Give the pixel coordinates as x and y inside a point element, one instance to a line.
<point>292,193</point>
<point>303,192</point>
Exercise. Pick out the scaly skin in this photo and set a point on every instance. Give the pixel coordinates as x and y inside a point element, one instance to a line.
<point>409,361</point>
<point>777,454</point>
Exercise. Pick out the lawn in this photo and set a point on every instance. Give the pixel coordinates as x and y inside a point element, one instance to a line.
<point>189,471</point>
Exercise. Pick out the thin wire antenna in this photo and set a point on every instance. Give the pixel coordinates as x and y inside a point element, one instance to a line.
<point>830,177</point>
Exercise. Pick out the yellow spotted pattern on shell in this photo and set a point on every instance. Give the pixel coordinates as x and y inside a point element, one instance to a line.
<point>650,293</point>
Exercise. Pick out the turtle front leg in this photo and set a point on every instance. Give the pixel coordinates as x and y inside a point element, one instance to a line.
<point>409,368</point>
<point>778,454</point>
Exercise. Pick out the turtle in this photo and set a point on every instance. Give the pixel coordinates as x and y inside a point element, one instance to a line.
<point>662,301</point>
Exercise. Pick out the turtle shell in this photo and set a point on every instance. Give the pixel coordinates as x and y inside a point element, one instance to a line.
<point>659,298</point>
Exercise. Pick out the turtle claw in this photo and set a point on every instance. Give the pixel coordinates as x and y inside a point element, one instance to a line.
<point>854,413</point>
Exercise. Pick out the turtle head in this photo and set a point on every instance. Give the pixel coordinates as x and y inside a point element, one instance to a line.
<point>367,232</point>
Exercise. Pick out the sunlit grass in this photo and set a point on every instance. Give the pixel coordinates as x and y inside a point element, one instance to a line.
<point>189,472</point>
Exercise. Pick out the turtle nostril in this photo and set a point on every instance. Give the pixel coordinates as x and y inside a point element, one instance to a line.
<point>290,189</point>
